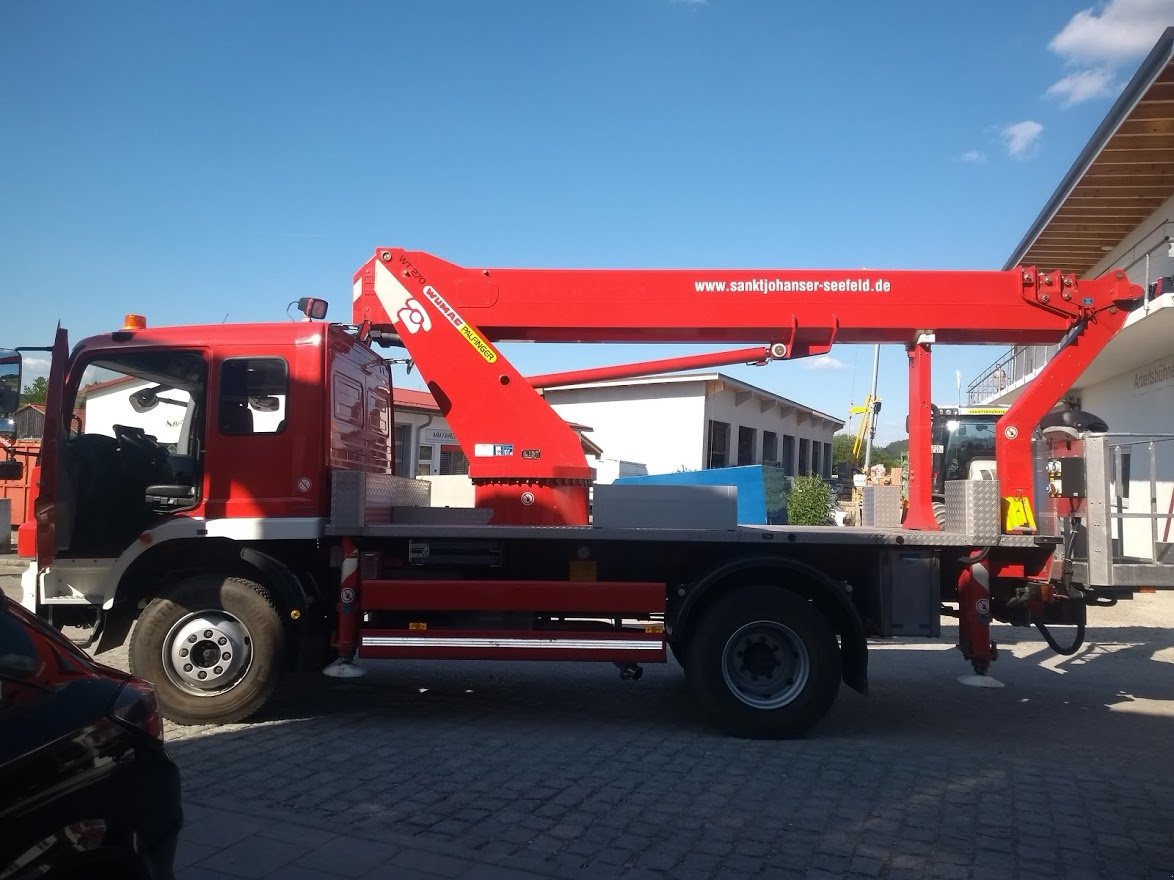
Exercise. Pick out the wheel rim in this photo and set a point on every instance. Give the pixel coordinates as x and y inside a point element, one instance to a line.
<point>765,664</point>
<point>207,653</point>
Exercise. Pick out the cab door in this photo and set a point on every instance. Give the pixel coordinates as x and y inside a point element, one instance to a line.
<point>263,455</point>
<point>48,506</point>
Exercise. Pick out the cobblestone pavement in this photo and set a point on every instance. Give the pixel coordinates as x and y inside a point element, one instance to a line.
<point>510,770</point>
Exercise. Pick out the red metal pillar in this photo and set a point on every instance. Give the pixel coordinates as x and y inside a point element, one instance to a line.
<point>348,603</point>
<point>920,514</point>
<point>974,614</point>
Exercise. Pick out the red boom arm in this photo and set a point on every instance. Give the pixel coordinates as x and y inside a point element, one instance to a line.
<point>528,464</point>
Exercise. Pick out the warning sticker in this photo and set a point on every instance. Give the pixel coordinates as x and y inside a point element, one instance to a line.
<point>493,450</point>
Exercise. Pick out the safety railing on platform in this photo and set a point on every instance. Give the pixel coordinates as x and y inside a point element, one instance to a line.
<point>1130,510</point>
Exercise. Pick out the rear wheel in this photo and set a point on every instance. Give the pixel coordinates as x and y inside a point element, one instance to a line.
<point>213,648</point>
<point>764,663</point>
<point>939,513</point>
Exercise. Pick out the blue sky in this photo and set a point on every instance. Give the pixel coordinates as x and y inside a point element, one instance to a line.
<point>192,161</point>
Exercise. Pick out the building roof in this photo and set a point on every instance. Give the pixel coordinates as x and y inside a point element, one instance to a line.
<point>1121,177</point>
<point>728,381</point>
<point>410,398</point>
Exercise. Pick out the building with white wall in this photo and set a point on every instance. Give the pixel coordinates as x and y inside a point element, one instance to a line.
<point>698,421</point>
<point>1114,209</point>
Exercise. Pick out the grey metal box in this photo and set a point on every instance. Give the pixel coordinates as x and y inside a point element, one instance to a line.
<point>358,499</point>
<point>911,591</point>
<point>665,507</point>
<point>881,507</point>
<point>972,509</point>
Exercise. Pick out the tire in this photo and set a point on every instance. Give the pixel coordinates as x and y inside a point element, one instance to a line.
<point>680,653</point>
<point>764,663</point>
<point>939,513</point>
<point>230,629</point>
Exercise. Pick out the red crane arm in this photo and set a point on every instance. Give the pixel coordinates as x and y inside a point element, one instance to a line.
<point>529,466</point>
<point>750,305</point>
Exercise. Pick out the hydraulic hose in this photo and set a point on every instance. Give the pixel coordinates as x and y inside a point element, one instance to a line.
<point>1071,649</point>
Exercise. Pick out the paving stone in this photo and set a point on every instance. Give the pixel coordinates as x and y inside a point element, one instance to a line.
<point>556,760</point>
<point>254,857</point>
<point>348,856</point>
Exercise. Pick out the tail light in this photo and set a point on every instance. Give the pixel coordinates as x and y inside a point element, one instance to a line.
<point>137,706</point>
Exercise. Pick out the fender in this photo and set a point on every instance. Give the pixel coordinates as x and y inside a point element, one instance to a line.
<point>117,615</point>
<point>287,588</point>
<point>831,597</point>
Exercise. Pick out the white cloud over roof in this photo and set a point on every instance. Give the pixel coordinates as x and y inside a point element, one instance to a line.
<point>1097,41</point>
<point>1021,138</point>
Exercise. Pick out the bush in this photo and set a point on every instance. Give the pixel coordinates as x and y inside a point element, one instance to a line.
<point>811,502</point>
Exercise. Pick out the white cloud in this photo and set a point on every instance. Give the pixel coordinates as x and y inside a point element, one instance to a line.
<point>1021,138</point>
<point>973,157</point>
<point>1122,30</point>
<point>32,367</point>
<point>1097,41</point>
<point>824,362</point>
<point>1084,85</point>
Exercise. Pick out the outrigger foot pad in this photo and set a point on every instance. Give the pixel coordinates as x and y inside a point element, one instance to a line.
<point>344,669</point>
<point>980,681</point>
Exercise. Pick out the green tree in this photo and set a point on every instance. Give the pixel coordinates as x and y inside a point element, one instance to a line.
<point>36,391</point>
<point>841,450</point>
<point>889,456</point>
<point>811,502</point>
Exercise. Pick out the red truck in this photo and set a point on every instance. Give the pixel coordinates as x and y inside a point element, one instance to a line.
<point>268,532</point>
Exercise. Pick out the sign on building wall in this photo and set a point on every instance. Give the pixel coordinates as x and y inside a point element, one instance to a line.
<point>1153,375</point>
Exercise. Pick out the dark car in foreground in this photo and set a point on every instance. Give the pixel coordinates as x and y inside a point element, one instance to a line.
<point>86,787</point>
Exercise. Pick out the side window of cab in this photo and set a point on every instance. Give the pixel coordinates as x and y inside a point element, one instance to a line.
<point>253,396</point>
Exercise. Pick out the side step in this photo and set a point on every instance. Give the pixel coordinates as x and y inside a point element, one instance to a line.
<point>618,646</point>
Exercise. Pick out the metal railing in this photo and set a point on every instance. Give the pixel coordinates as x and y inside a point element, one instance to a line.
<point>1013,367</point>
<point>1021,362</point>
<point>1119,468</point>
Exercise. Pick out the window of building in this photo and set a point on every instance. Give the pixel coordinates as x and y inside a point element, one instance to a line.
<point>253,394</point>
<point>747,441</point>
<point>424,461</point>
<point>827,460</point>
<point>453,460</point>
<point>770,447</point>
<point>403,449</point>
<point>816,463</point>
<point>804,468</point>
<point>719,445</point>
<point>788,455</point>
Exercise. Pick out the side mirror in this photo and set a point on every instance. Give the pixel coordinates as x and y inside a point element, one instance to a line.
<point>144,399</point>
<point>314,309</point>
<point>265,403</point>
<point>10,364</point>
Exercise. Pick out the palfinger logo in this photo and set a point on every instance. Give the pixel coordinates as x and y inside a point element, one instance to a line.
<point>413,316</point>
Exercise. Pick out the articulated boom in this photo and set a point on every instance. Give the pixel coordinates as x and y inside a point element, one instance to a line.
<point>528,465</point>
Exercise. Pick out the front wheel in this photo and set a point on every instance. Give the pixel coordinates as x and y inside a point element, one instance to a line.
<point>213,648</point>
<point>764,663</point>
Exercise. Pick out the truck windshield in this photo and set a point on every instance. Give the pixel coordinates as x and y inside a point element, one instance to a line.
<point>963,444</point>
<point>153,394</point>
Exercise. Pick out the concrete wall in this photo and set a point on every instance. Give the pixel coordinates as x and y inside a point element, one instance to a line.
<point>665,425</point>
<point>661,425</point>
<point>1141,401</point>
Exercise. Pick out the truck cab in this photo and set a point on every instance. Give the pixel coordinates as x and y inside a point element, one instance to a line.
<point>166,448</point>
<point>963,447</point>
<point>11,467</point>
